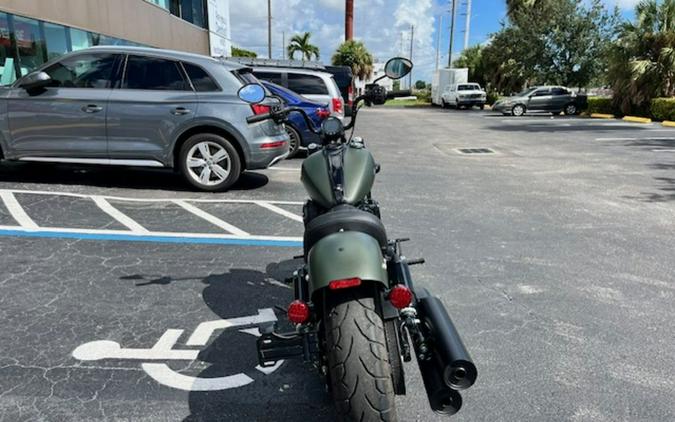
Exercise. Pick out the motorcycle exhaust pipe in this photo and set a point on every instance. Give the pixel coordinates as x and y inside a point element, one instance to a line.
<point>442,399</point>
<point>458,370</point>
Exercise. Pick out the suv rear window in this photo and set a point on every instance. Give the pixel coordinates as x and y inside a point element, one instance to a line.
<point>307,84</point>
<point>468,88</point>
<point>200,79</point>
<point>274,77</point>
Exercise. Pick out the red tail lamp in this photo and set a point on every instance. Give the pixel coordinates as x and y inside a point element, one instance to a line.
<point>400,296</point>
<point>298,312</point>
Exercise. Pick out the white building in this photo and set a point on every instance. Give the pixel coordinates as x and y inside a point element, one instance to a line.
<point>378,71</point>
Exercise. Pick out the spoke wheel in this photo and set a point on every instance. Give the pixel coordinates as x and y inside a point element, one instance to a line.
<point>518,110</point>
<point>209,162</point>
<point>571,110</point>
<point>294,141</point>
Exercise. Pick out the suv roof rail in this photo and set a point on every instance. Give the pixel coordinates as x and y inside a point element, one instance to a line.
<point>255,62</point>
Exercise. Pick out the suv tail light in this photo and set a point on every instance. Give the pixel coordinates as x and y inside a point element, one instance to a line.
<point>338,106</point>
<point>350,95</point>
<point>260,109</point>
<point>322,113</point>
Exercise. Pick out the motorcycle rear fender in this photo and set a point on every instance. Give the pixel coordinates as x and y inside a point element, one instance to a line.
<point>345,255</point>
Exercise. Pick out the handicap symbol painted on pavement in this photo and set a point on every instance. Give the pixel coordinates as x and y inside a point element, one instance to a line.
<point>164,350</point>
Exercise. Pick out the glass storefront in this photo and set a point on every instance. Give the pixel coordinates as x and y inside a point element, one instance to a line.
<point>27,43</point>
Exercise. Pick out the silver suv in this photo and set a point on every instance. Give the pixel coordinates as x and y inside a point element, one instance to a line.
<point>140,107</point>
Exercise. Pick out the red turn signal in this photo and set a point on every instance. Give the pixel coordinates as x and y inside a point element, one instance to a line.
<point>298,312</point>
<point>344,284</point>
<point>400,296</point>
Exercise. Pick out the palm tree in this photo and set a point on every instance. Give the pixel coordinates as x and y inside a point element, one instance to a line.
<point>300,43</point>
<point>355,55</point>
<point>642,61</point>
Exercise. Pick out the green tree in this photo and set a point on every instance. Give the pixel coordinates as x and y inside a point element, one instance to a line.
<point>545,41</point>
<point>240,52</point>
<point>420,84</point>
<point>472,58</point>
<point>300,44</point>
<point>642,60</point>
<point>355,55</point>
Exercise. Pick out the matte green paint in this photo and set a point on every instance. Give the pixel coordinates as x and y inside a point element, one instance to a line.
<point>345,255</point>
<point>359,170</point>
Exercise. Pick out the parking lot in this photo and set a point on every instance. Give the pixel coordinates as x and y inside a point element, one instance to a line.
<point>126,296</point>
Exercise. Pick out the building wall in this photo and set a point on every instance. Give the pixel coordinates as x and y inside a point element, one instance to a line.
<point>134,20</point>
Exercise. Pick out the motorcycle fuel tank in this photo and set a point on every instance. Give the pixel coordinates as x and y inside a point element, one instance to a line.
<point>359,176</point>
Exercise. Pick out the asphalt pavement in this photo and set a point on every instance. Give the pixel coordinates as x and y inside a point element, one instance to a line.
<point>549,239</point>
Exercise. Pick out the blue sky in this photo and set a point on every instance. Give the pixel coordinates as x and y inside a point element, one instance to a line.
<point>383,25</point>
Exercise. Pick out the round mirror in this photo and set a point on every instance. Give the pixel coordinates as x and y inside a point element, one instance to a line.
<point>252,93</point>
<point>397,67</point>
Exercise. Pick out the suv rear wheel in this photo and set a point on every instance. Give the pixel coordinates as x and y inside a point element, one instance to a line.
<point>209,162</point>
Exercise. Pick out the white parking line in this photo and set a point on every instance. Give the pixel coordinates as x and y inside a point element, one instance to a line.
<point>118,215</point>
<point>616,139</point>
<point>278,210</point>
<point>16,211</point>
<point>663,150</point>
<point>211,218</point>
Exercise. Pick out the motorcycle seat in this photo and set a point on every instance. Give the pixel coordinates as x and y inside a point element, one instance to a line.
<point>344,218</point>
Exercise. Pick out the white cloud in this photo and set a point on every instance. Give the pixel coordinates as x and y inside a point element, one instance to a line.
<point>378,23</point>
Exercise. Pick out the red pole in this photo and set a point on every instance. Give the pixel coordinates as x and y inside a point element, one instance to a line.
<point>349,20</point>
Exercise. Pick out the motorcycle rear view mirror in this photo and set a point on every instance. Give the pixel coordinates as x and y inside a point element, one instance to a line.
<point>252,93</point>
<point>398,67</point>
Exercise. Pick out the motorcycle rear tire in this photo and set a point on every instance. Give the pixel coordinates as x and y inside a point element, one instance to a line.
<point>358,361</point>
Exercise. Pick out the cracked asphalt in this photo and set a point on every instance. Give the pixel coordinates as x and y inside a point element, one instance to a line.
<point>554,257</point>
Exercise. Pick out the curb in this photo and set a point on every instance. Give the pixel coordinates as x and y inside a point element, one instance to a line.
<point>637,119</point>
<point>601,116</point>
<point>668,123</point>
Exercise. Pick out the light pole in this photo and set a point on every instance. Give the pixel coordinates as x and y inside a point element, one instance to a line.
<point>452,33</point>
<point>349,20</point>
<point>269,28</point>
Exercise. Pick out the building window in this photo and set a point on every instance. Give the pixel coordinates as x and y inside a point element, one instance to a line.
<point>30,45</point>
<point>154,74</point>
<point>7,69</point>
<point>161,3</point>
<point>80,39</point>
<point>57,40</point>
<point>193,11</point>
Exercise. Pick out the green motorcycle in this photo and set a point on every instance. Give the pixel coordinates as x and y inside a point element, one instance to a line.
<point>356,311</point>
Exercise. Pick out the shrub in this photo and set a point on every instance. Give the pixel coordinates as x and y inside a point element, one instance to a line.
<point>423,96</point>
<point>602,105</point>
<point>492,97</point>
<point>663,108</point>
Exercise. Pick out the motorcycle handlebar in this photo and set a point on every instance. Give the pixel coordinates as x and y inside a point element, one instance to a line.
<point>259,118</point>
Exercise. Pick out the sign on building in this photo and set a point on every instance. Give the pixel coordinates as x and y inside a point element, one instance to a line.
<point>219,28</point>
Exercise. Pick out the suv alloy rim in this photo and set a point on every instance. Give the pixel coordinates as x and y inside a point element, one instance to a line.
<point>208,163</point>
<point>571,109</point>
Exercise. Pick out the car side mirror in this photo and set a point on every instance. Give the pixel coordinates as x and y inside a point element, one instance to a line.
<point>34,81</point>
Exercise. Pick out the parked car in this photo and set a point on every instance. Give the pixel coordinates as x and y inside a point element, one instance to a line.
<point>296,127</point>
<point>314,85</point>
<point>344,77</point>
<point>139,107</point>
<point>464,95</point>
<point>554,99</point>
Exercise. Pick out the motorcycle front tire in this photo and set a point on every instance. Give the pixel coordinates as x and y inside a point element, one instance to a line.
<point>358,361</point>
